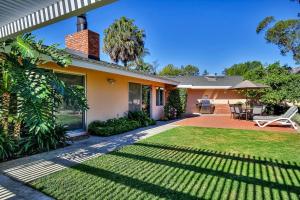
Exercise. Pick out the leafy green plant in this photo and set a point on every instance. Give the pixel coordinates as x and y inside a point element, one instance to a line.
<point>31,95</point>
<point>8,146</point>
<point>174,106</point>
<point>133,121</point>
<point>43,141</point>
<point>142,118</point>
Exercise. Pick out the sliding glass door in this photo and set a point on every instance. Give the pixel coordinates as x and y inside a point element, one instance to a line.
<point>139,97</point>
<point>68,113</point>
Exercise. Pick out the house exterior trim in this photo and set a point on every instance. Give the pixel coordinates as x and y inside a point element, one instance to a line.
<point>99,67</point>
<point>203,87</point>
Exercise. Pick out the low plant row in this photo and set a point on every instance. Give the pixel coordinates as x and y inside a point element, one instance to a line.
<point>115,126</point>
<point>27,144</point>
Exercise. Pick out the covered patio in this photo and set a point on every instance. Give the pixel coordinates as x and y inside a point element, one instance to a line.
<point>225,121</point>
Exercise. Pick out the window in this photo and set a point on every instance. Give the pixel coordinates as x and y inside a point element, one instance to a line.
<point>68,113</point>
<point>159,96</point>
<point>135,95</point>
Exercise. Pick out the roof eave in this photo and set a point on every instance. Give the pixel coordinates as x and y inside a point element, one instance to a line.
<point>203,87</point>
<point>97,66</point>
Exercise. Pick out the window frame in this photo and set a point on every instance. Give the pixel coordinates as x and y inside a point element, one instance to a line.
<point>160,96</point>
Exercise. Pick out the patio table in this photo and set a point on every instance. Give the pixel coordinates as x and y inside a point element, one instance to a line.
<point>247,110</point>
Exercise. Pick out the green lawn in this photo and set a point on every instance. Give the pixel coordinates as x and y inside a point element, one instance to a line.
<point>296,118</point>
<point>188,163</point>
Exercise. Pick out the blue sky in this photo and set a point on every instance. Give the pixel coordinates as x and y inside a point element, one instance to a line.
<point>211,34</point>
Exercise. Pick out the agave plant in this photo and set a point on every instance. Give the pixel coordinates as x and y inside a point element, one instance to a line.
<point>31,95</point>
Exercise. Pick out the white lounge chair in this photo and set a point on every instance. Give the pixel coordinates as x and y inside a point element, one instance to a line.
<point>285,119</point>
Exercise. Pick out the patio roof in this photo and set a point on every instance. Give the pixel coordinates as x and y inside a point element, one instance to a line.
<point>19,16</point>
<point>207,82</point>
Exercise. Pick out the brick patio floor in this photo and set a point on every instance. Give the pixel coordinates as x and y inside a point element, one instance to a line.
<point>221,121</point>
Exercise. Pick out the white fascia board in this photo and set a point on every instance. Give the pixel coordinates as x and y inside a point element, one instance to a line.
<point>98,67</point>
<point>203,87</point>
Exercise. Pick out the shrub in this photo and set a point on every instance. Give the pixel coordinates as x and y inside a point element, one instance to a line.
<point>43,141</point>
<point>8,146</point>
<point>120,125</point>
<point>142,118</point>
<point>174,106</point>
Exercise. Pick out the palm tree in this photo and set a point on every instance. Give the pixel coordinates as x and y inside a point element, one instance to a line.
<point>36,92</point>
<point>124,41</point>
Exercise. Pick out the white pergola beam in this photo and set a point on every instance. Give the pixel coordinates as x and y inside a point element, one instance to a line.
<point>56,11</point>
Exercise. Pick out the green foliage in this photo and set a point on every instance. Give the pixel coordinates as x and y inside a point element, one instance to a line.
<point>142,66</point>
<point>174,106</point>
<point>8,146</point>
<point>141,117</point>
<point>284,86</point>
<point>124,41</point>
<point>183,98</point>
<point>30,95</point>
<point>242,68</point>
<point>284,33</point>
<point>171,70</point>
<point>115,126</point>
<point>190,70</point>
<point>264,23</point>
<point>43,141</point>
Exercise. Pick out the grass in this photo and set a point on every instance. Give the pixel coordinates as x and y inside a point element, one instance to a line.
<point>296,118</point>
<point>188,163</point>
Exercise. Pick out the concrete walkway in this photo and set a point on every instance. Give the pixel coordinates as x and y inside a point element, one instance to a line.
<point>16,173</point>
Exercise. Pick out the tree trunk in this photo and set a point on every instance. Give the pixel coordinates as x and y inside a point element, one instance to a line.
<point>17,129</point>
<point>5,112</point>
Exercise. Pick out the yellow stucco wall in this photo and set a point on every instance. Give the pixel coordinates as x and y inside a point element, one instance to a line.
<point>107,100</point>
<point>217,96</point>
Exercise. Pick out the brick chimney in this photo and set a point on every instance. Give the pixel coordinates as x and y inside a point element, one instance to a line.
<point>84,41</point>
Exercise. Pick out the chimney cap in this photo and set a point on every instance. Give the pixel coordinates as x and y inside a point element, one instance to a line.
<point>81,22</point>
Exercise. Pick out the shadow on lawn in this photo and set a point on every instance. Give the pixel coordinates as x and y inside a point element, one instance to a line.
<point>210,174</point>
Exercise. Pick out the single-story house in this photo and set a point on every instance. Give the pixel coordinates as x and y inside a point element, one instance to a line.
<point>214,88</point>
<point>112,90</point>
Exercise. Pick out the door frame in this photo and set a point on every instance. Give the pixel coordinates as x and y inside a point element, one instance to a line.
<point>84,120</point>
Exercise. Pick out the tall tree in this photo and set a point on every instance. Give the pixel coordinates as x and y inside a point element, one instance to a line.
<point>190,70</point>
<point>170,70</point>
<point>283,33</point>
<point>242,68</point>
<point>124,41</point>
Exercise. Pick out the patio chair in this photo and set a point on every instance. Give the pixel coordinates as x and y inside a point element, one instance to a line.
<point>232,112</point>
<point>285,119</point>
<point>257,111</point>
<point>238,111</point>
